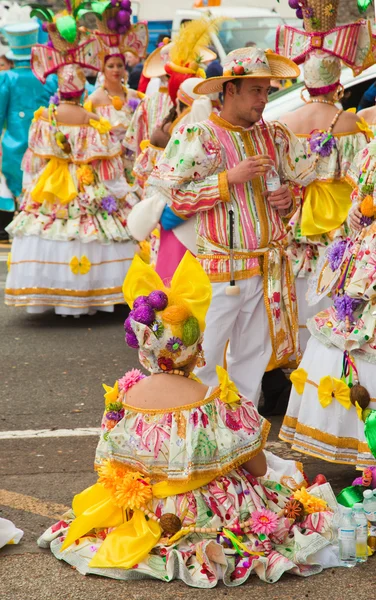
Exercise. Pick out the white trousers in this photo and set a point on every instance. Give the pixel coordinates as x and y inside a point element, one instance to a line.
<point>305,311</point>
<point>243,321</point>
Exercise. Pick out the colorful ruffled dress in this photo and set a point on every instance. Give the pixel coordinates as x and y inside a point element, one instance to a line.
<point>71,249</point>
<point>322,217</point>
<point>182,468</point>
<point>326,413</point>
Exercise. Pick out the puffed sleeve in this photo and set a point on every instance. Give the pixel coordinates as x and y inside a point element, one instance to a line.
<point>295,165</point>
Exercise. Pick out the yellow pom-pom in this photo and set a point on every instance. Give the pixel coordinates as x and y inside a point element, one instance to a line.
<point>366,207</point>
<point>201,73</point>
<point>227,73</point>
<point>166,40</point>
<point>117,103</point>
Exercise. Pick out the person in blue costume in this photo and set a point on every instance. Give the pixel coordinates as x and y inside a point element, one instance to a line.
<point>20,95</point>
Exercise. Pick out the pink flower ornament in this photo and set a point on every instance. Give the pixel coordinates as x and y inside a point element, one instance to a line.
<point>130,379</point>
<point>264,521</point>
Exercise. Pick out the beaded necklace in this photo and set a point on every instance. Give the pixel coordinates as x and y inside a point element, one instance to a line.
<point>116,101</point>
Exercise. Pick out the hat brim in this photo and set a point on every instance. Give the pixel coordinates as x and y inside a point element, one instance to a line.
<point>154,66</point>
<point>280,68</point>
<point>11,56</point>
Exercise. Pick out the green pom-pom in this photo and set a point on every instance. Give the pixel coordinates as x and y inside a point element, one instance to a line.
<point>191,331</point>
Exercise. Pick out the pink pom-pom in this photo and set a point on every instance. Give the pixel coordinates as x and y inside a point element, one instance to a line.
<point>130,379</point>
<point>144,314</point>
<point>131,340</point>
<point>140,300</point>
<point>158,300</point>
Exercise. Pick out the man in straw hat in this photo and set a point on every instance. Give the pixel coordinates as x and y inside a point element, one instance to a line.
<point>217,170</point>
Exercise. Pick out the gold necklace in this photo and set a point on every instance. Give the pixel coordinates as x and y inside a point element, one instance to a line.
<point>70,102</point>
<point>319,101</point>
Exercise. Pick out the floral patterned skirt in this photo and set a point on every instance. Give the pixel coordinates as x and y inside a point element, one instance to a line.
<point>276,545</point>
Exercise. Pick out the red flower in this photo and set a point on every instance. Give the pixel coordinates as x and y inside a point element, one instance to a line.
<point>165,364</point>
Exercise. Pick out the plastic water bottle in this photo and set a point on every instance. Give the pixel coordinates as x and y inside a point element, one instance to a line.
<point>273,182</point>
<point>361,532</point>
<point>347,538</point>
<point>369,505</point>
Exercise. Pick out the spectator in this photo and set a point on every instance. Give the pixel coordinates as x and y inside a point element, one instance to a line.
<point>134,68</point>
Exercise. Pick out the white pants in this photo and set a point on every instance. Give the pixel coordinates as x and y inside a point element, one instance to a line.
<point>243,321</point>
<point>305,311</point>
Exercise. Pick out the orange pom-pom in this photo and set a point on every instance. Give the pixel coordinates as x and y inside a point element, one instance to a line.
<point>366,207</point>
<point>117,103</point>
<point>174,315</point>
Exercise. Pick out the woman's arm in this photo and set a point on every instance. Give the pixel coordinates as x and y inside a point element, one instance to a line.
<point>256,466</point>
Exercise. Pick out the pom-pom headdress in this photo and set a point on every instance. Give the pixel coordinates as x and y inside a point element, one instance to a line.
<point>115,32</point>
<point>166,324</point>
<point>66,53</point>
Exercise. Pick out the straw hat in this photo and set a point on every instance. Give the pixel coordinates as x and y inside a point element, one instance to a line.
<point>250,63</point>
<point>154,65</point>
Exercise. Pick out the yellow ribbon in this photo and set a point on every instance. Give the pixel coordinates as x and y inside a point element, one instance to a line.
<point>299,378</point>
<point>330,388</point>
<point>54,182</point>
<point>80,266</point>
<point>325,207</point>
<point>189,286</point>
<point>102,126</point>
<point>228,390</point>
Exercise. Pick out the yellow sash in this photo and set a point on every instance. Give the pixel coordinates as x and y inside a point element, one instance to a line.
<point>54,182</point>
<point>325,207</point>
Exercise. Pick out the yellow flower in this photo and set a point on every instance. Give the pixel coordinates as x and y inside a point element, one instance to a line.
<point>38,113</point>
<point>298,379</point>
<point>330,388</point>
<point>85,175</point>
<point>228,390</point>
<point>359,411</point>
<point>129,489</point>
<point>144,144</point>
<point>311,503</point>
<point>80,266</point>
<point>363,126</point>
<point>112,393</point>
<point>328,10</point>
<point>9,260</point>
<point>103,126</point>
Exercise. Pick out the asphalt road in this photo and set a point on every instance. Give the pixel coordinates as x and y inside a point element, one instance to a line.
<point>51,371</point>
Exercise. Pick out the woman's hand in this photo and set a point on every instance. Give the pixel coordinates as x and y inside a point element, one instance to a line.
<point>355,219</point>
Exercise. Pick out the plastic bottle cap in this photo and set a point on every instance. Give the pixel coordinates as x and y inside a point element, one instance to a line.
<point>367,494</point>
<point>358,506</point>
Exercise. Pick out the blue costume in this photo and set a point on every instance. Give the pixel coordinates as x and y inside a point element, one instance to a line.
<point>20,95</point>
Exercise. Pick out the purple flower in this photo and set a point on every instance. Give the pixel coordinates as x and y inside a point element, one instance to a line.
<point>144,314</point>
<point>158,300</point>
<point>109,204</point>
<point>365,221</point>
<point>322,143</point>
<point>115,416</point>
<point>133,103</point>
<point>335,254</point>
<point>174,344</point>
<point>55,99</point>
<point>345,306</point>
<point>308,12</point>
<point>131,340</point>
<point>140,301</point>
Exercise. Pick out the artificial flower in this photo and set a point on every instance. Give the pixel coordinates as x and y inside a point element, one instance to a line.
<point>335,254</point>
<point>54,99</point>
<point>85,175</point>
<point>345,306</point>
<point>264,521</point>
<point>112,393</point>
<point>158,329</point>
<point>130,379</point>
<point>329,10</point>
<point>102,126</point>
<point>80,266</point>
<point>299,378</point>
<point>322,143</point>
<point>330,388</point>
<point>308,12</point>
<point>359,411</point>
<point>115,415</point>
<point>165,364</point>
<point>311,503</point>
<point>129,489</point>
<point>133,103</point>
<point>228,390</point>
<point>174,345</point>
<point>109,204</point>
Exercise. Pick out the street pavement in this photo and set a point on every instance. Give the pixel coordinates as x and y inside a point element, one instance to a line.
<point>51,403</point>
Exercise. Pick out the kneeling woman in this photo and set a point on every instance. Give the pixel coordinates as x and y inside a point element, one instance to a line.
<point>178,494</point>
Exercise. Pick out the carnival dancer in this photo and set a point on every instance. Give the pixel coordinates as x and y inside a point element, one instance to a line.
<point>332,408</point>
<point>113,100</point>
<point>71,248</point>
<point>178,462</point>
<point>331,135</point>
<point>217,170</point>
<point>20,95</point>
<point>154,109</point>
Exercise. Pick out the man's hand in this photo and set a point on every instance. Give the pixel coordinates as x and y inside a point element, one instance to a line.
<point>250,168</point>
<point>281,199</point>
<point>355,219</point>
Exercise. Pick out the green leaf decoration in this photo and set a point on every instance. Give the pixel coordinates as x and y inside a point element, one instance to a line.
<point>80,12</point>
<point>98,8</point>
<point>42,13</point>
<point>67,28</point>
<point>363,5</point>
